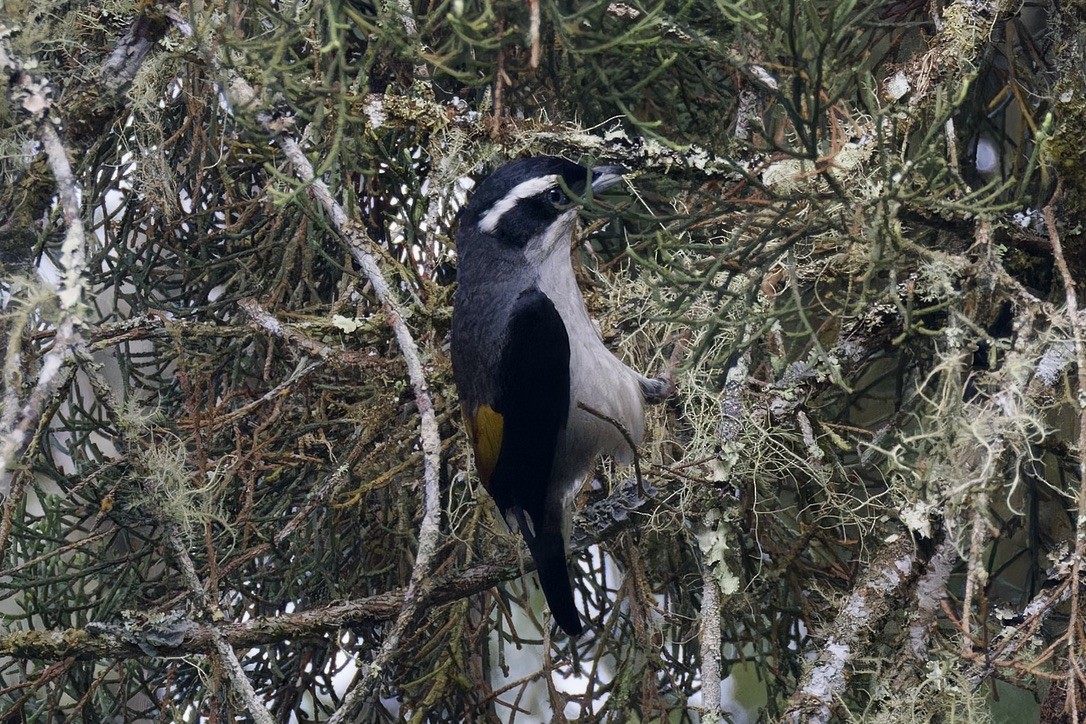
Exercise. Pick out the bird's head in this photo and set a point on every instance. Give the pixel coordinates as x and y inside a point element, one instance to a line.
<point>530,202</point>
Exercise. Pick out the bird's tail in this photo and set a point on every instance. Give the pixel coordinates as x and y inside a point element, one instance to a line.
<point>548,548</point>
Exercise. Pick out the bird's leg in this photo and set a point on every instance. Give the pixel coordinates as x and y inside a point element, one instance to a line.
<point>656,389</point>
<point>659,389</point>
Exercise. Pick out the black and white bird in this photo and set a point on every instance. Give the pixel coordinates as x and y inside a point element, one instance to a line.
<point>526,355</point>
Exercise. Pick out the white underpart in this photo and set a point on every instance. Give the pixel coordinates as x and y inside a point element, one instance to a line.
<point>597,378</point>
<point>523,190</point>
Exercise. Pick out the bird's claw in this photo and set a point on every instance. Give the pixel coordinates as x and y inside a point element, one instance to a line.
<point>658,389</point>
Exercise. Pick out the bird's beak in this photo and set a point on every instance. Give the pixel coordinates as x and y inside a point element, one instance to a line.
<point>604,177</point>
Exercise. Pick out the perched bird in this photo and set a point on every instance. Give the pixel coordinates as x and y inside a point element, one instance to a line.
<point>526,355</point>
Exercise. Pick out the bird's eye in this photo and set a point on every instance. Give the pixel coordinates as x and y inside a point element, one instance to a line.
<point>557,197</point>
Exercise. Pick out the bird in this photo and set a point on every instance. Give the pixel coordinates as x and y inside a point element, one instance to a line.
<point>528,360</point>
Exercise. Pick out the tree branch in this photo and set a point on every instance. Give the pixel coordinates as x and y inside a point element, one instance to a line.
<point>1078,565</point>
<point>359,243</point>
<point>169,635</point>
<point>221,649</point>
<point>709,641</point>
<point>875,596</point>
<point>70,290</point>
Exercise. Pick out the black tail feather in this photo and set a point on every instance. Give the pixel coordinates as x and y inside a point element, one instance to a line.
<point>549,552</point>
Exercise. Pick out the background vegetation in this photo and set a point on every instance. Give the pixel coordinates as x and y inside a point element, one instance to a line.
<point>237,485</point>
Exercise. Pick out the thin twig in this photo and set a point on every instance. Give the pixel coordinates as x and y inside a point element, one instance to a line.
<point>239,681</point>
<point>1078,561</point>
<point>625,436</point>
<point>273,326</point>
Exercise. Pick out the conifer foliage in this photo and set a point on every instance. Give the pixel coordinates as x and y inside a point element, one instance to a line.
<point>235,480</point>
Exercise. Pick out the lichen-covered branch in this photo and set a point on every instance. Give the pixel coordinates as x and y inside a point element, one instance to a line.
<point>220,647</point>
<point>859,617</point>
<point>71,289</point>
<point>709,640</point>
<point>1075,641</point>
<point>171,635</point>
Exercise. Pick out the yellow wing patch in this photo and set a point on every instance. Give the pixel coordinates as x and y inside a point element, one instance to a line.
<point>487,427</point>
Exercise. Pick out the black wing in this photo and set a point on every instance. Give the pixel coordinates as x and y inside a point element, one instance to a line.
<point>533,401</point>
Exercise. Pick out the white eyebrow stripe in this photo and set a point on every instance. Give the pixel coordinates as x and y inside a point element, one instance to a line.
<point>523,190</point>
